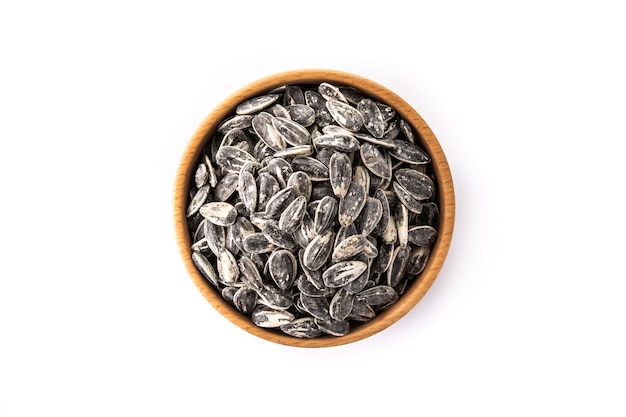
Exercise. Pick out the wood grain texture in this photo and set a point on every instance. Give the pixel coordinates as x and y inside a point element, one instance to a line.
<point>445,189</point>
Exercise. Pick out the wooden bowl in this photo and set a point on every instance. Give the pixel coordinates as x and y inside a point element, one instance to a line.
<point>444,192</point>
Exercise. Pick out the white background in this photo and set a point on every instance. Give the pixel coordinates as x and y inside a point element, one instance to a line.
<point>98,101</point>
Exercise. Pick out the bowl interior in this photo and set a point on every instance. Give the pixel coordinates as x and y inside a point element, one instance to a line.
<point>426,139</point>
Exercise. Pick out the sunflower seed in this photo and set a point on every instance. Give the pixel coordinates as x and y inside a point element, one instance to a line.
<point>292,216</point>
<point>249,273</point>
<point>337,142</point>
<point>256,104</point>
<point>402,224</point>
<point>343,273</point>
<point>301,183</point>
<point>219,213</point>
<point>215,237</point>
<point>304,233</point>
<point>293,96</point>
<point>232,159</point>
<point>384,217</point>
<point>387,111</point>
<point>333,327</point>
<point>392,130</point>
<point>264,128</point>
<point>305,286</point>
<point>245,300</point>
<point>349,247</point>
<point>370,216</point>
<point>280,169</point>
<point>420,186</point>
<point>202,175</point>
<point>384,258</point>
<point>409,152</point>
<point>228,293</point>
<point>429,215</point>
<point>399,264</point>
<point>316,306</point>
<point>341,304</point>
<point>292,132</point>
<point>378,296</point>
<point>303,328</point>
<point>227,268</point>
<point>278,237</point>
<point>361,311</point>
<point>325,214</point>
<point>324,154</point>
<point>280,201</point>
<point>345,115</point>
<point>320,190</point>
<point>407,131</point>
<point>318,251</point>
<point>331,92</point>
<point>316,170</point>
<point>269,318</point>
<point>351,205</point>
<point>247,189</point>
<point>198,200</point>
<point>302,114</point>
<point>259,219</point>
<point>201,245</point>
<point>267,186</point>
<point>406,198</point>
<point>205,267</point>
<point>282,268</point>
<point>274,298</point>
<point>314,277</point>
<point>372,117</point>
<point>417,260</point>
<point>293,151</point>
<point>359,283</point>
<point>237,138</point>
<point>257,243</point>
<point>340,173</point>
<point>375,160</point>
<point>278,110</point>
<point>345,232</point>
<point>231,244</point>
<point>362,176</point>
<point>390,235</point>
<point>422,235</point>
<point>381,143</point>
<point>226,186</point>
<point>243,121</point>
<point>318,104</point>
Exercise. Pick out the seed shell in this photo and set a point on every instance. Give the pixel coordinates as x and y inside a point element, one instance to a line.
<point>256,104</point>
<point>345,115</point>
<point>282,268</point>
<point>303,328</point>
<point>351,205</point>
<point>343,273</point>
<point>372,117</point>
<point>409,152</point>
<point>292,216</point>
<point>340,173</point>
<point>318,251</point>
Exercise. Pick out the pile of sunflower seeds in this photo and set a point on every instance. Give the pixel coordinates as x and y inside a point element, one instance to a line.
<point>312,208</point>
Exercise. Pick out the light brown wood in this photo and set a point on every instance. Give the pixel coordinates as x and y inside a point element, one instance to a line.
<point>445,192</point>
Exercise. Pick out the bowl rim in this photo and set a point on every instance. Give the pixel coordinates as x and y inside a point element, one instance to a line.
<point>445,192</point>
